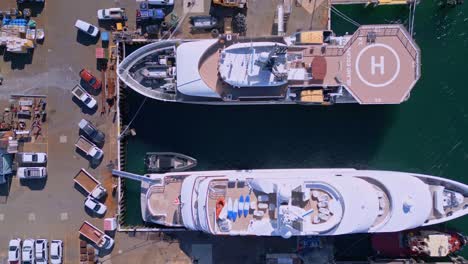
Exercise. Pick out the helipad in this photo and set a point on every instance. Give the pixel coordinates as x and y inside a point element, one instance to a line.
<point>380,64</point>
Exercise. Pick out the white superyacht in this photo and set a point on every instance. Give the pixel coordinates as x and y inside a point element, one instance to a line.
<point>377,64</point>
<point>298,202</point>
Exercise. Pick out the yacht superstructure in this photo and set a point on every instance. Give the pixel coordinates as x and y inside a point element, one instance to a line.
<point>378,64</point>
<point>296,202</point>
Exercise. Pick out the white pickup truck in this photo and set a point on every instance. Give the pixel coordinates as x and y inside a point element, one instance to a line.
<point>96,236</point>
<point>89,148</point>
<point>84,96</point>
<point>92,186</point>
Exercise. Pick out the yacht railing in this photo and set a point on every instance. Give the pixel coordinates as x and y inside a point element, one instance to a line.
<point>382,31</point>
<point>393,30</point>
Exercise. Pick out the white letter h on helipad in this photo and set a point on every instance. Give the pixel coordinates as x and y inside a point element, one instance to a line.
<point>379,65</point>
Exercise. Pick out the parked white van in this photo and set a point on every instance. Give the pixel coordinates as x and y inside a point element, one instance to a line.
<point>33,158</point>
<point>32,172</point>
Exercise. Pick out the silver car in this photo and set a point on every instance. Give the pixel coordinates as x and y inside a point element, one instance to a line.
<point>33,158</point>
<point>42,249</point>
<point>56,251</point>
<point>86,28</point>
<point>28,251</point>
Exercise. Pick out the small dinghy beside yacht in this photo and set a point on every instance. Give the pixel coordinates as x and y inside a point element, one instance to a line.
<point>159,162</point>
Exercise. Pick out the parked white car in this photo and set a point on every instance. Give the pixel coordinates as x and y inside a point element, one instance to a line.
<point>56,251</point>
<point>28,251</point>
<point>161,2</point>
<point>95,206</point>
<point>114,13</point>
<point>14,251</point>
<point>41,251</point>
<point>86,28</point>
<point>31,172</point>
<point>36,158</point>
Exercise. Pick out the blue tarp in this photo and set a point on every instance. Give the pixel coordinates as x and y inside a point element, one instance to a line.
<point>15,22</point>
<point>152,13</point>
<point>105,36</point>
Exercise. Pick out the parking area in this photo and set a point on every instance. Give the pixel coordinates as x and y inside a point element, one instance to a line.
<point>56,210</point>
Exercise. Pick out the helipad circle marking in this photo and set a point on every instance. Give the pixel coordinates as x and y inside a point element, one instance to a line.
<point>378,84</point>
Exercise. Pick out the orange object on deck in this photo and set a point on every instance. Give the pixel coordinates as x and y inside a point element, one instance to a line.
<point>219,206</point>
<point>119,26</point>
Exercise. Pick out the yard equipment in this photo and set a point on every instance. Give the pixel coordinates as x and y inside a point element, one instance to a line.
<point>203,23</point>
<point>231,3</point>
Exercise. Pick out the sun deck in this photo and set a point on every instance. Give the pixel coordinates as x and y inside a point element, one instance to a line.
<point>233,190</point>
<point>163,201</point>
<point>376,65</point>
<point>209,72</point>
<point>316,208</point>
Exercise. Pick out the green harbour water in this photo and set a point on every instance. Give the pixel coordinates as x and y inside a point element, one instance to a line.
<point>427,134</point>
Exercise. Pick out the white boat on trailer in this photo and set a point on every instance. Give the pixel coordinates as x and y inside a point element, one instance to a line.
<point>299,202</point>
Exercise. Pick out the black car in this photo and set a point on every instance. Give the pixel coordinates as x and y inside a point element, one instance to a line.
<point>91,132</point>
<point>203,23</point>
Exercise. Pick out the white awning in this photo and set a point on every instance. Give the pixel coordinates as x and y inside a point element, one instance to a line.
<point>189,81</point>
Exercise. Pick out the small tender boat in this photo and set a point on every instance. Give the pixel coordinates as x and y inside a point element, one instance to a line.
<point>159,162</point>
<point>417,243</point>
